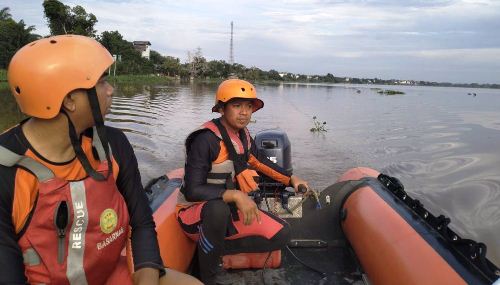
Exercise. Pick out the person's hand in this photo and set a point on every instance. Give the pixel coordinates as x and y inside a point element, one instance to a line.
<point>296,181</point>
<point>248,208</point>
<point>245,205</point>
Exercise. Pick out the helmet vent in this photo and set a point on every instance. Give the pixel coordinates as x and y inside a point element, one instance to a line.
<point>53,41</point>
<point>242,89</point>
<point>18,90</point>
<point>48,107</point>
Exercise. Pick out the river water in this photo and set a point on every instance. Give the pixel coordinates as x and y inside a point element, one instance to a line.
<point>442,143</point>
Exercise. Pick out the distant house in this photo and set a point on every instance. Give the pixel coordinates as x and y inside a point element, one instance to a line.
<point>142,47</point>
<point>405,82</point>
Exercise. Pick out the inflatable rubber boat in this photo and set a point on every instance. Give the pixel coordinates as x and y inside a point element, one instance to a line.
<point>363,229</point>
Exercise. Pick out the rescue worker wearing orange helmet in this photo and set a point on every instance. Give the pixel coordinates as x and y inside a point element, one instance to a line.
<point>219,173</point>
<point>70,186</point>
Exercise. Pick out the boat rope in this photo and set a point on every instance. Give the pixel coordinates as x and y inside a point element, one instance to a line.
<point>265,267</point>
<point>323,274</point>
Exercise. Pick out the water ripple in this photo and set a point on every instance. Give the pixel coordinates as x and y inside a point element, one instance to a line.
<point>482,209</point>
<point>432,169</point>
<point>443,146</point>
<point>394,150</point>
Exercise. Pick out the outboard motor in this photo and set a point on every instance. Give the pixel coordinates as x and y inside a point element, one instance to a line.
<point>273,196</point>
<point>274,145</point>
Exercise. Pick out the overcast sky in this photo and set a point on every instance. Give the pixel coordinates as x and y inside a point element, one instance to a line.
<point>441,40</point>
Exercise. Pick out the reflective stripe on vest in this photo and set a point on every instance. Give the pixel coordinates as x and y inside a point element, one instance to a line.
<point>221,173</point>
<point>76,245</point>
<point>9,158</point>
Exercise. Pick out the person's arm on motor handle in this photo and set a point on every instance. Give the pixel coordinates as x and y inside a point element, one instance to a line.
<point>244,203</point>
<point>295,181</point>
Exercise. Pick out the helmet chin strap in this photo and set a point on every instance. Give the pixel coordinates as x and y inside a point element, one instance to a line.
<point>101,132</point>
<point>99,121</point>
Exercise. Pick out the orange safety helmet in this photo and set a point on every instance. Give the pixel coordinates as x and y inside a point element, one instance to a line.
<point>236,88</point>
<point>43,72</point>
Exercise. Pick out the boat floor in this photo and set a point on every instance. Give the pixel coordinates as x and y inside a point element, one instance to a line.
<point>336,260</point>
<point>337,263</point>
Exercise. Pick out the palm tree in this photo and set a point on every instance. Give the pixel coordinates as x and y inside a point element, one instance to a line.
<point>13,35</point>
<point>5,14</point>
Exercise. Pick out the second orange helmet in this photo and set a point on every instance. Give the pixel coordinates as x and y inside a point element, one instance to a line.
<point>236,88</point>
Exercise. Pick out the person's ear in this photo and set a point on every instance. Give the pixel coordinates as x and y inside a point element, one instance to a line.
<point>70,101</point>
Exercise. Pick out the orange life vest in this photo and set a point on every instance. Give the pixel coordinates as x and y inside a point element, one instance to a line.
<point>77,229</point>
<point>223,167</point>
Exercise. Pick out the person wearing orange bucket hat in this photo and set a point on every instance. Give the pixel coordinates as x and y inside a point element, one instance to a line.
<point>220,171</point>
<point>71,188</point>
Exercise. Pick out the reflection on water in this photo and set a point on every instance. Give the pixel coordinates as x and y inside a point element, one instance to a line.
<point>440,142</point>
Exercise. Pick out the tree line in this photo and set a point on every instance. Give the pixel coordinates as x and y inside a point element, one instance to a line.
<point>63,19</point>
<point>13,35</point>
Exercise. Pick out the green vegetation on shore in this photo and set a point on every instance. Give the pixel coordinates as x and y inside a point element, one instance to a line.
<point>140,79</point>
<point>3,79</point>
<point>8,107</point>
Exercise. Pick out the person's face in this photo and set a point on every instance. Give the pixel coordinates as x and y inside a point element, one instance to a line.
<point>78,105</point>
<point>104,92</point>
<point>237,113</point>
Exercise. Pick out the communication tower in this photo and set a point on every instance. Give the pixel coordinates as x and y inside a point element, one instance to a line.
<point>231,55</point>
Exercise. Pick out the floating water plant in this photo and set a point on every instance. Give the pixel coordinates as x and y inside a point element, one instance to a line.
<point>390,92</point>
<point>318,126</point>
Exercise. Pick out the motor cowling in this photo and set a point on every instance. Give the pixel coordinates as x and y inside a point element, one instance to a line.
<point>275,146</point>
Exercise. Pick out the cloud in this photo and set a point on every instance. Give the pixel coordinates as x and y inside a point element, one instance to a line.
<point>312,36</point>
<point>484,55</point>
<point>481,55</point>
